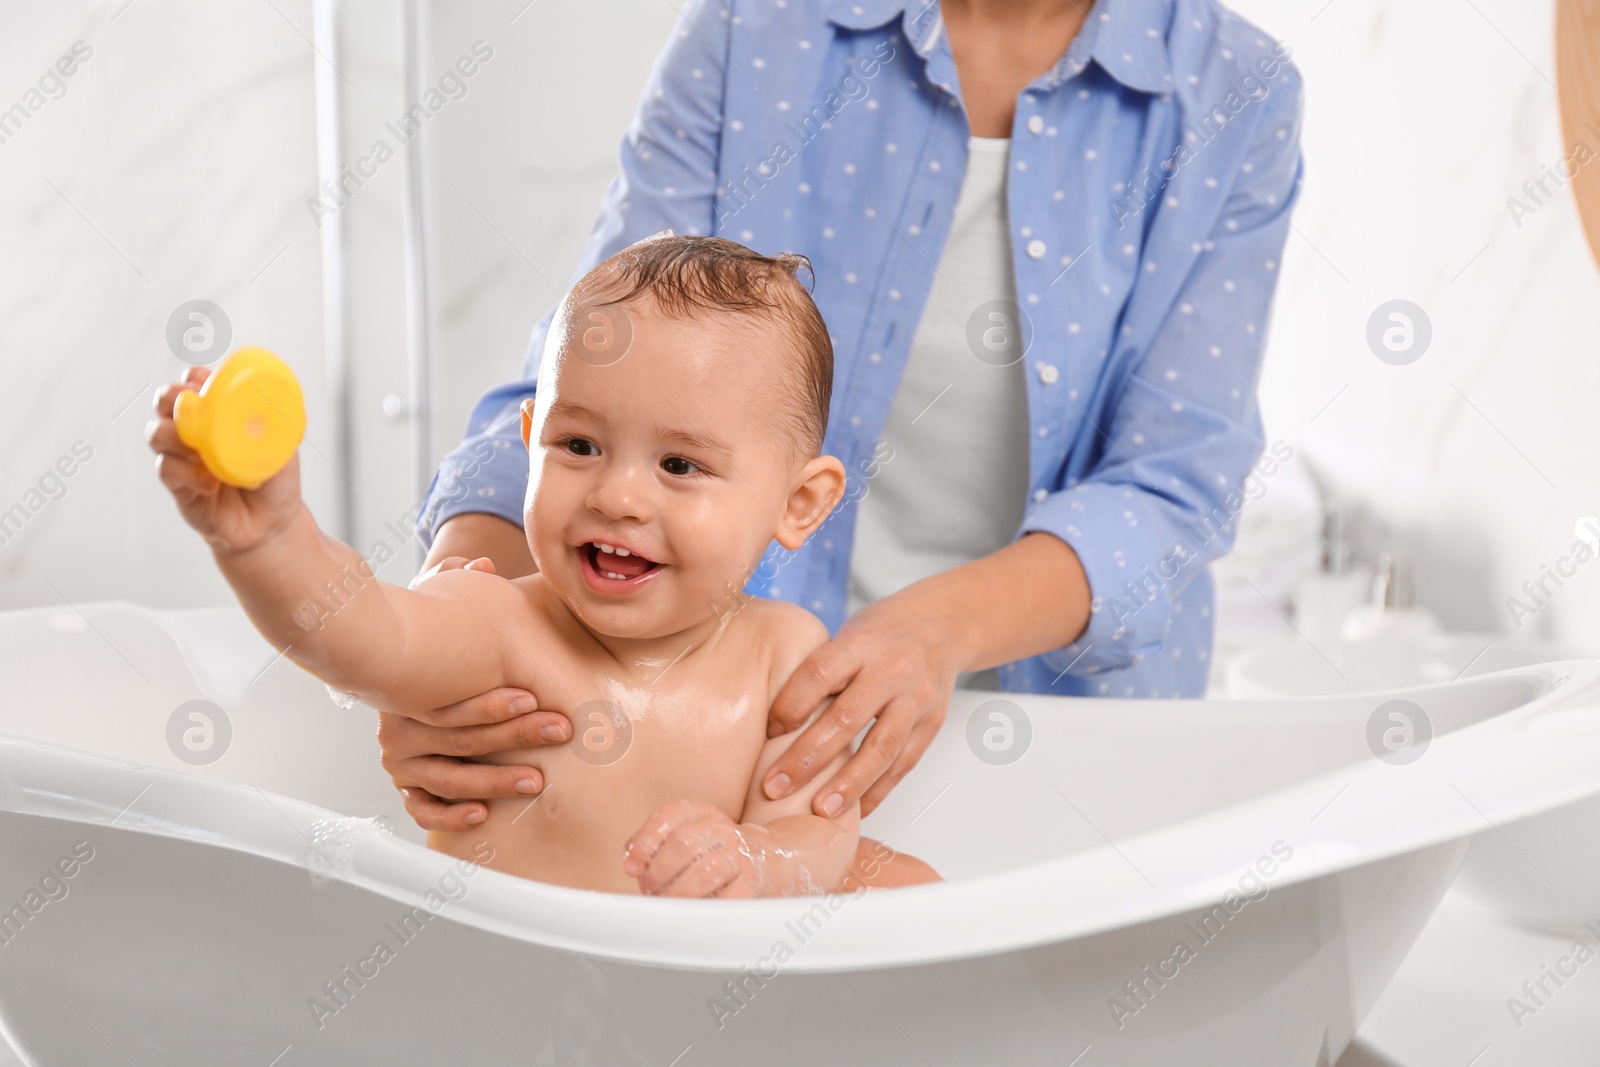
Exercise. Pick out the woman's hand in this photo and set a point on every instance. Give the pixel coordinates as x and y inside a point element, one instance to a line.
<point>896,661</point>
<point>893,661</point>
<point>426,755</point>
<point>229,518</point>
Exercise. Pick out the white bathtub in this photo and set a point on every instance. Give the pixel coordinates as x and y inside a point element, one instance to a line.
<point>205,924</point>
<point>1542,873</point>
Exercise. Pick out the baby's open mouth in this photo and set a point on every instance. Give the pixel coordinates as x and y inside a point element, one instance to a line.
<point>615,564</point>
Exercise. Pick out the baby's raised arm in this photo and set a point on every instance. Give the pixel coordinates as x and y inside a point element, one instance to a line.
<point>399,649</point>
<point>315,598</point>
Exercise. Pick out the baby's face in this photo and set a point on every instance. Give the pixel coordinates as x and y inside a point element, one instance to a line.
<point>657,480</point>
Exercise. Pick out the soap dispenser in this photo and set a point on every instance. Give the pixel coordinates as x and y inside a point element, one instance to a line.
<point>1392,613</point>
<point>1325,596</point>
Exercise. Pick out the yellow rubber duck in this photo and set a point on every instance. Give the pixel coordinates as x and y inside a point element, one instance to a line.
<point>247,419</point>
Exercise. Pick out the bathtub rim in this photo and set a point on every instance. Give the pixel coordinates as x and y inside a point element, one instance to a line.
<point>1546,771</point>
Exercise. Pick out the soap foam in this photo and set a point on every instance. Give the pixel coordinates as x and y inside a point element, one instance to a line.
<point>331,854</point>
<point>344,700</point>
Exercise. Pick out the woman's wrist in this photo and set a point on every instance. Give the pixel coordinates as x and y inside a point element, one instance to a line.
<point>473,534</point>
<point>1029,597</point>
<point>929,615</point>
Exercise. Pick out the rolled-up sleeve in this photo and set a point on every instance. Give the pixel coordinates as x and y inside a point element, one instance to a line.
<point>1161,501</point>
<point>666,179</point>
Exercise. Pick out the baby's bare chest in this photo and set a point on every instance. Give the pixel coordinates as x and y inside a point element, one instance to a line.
<point>634,750</point>
<point>691,730</point>
<point>644,735</point>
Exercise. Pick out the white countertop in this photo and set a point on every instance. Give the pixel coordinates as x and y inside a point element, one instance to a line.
<point>1448,1005</point>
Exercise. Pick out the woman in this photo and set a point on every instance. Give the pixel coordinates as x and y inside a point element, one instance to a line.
<point>1045,242</point>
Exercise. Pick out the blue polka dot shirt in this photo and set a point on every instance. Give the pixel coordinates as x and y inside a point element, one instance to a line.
<point>1154,169</point>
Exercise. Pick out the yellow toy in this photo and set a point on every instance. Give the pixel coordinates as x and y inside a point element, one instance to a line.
<point>247,419</point>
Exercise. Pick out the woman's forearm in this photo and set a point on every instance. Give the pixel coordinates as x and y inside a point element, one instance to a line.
<point>1029,597</point>
<point>475,534</point>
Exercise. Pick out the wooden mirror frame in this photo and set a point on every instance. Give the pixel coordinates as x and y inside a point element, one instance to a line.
<point>1578,89</point>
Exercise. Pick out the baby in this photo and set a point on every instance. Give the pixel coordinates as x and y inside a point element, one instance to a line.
<point>676,430</point>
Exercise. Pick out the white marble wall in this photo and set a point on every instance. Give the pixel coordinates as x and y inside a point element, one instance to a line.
<point>516,164</point>
<point>178,163</point>
<point>175,166</point>
<point>518,169</point>
<point>1422,119</point>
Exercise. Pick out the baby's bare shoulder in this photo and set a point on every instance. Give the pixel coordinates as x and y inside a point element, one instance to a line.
<point>482,589</point>
<point>542,607</point>
<point>783,624</point>
<point>510,605</point>
<point>788,634</point>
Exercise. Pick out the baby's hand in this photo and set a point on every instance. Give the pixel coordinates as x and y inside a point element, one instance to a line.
<point>689,848</point>
<point>227,517</point>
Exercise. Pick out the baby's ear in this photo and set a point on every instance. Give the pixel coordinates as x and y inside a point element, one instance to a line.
<point>818,490</point>
<point>527,420</point>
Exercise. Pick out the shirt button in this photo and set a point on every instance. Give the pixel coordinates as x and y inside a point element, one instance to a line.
<point>1048,374</point>
<point>1035,124</point>
<point>1040,494</point>
<point>1035,249</point>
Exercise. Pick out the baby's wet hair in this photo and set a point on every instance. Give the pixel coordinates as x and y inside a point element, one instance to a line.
<point>689,276</point>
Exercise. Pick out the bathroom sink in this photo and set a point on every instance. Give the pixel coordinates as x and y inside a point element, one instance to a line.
<point>1541,873</point>
<point>1294,666</point>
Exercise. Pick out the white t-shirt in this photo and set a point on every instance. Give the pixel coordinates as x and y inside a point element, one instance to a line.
<point>955,487</point>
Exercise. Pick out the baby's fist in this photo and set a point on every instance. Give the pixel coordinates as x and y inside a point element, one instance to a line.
<point>227,517</point>
<point>689,848</point>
